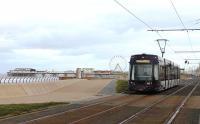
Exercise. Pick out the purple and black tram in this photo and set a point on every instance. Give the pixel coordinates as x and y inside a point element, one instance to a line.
<point>152,73</point>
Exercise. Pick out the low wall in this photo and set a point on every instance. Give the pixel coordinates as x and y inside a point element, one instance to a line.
<point>18,90</point>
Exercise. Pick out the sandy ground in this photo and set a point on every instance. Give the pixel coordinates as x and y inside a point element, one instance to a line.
<point>60,91</point>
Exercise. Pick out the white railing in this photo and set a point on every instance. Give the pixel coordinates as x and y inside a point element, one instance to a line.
<point>12,79</point>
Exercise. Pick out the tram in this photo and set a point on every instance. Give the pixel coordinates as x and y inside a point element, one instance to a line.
<point>152,73</point>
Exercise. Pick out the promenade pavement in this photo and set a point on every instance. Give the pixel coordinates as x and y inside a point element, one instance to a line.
<point>59,91</point>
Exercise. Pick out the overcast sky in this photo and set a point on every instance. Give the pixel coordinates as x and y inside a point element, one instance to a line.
<point>66,34</point>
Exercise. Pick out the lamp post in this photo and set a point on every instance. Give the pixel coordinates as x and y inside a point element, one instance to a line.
<point>163,43</point>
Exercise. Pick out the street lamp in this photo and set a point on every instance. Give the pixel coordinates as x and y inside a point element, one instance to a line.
<point>163,43</point>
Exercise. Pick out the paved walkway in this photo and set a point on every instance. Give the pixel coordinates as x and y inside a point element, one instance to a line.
<point>61,91</point>
<point>109,89</point>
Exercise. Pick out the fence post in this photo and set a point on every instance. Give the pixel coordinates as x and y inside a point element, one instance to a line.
<point>30,79</point>
<point>9,79</point>
<point>26,79</point>
<point>50,78</point>
<point>15,80</point>
<point>44,79</point>
<point>38,79</point>
<point>34,79</point>
<point>41,79</point>
<point>5,80</point>
<point>1,79</point>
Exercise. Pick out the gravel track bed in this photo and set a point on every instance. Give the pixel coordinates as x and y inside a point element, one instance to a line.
<point>185,91</point>
<point>159,113</point>
<point>188,116</point>
<point>55,110</point>
<point>113,117</point>
<point>72,116</point>
<point>119,113</point>
<point>196,92</point>
<point>30,116</point>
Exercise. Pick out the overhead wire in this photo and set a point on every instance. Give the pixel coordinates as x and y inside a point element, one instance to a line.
<point>179,17</point>
<point>177,14</point>
<point>134,15</point>
<point>197,22</point>
<point>126,9</point>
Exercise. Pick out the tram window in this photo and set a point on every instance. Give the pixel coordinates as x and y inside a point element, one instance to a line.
<point>161,72</point>
<point>156,72</point>
<point>129,72</point>
<point>133,73</point>
<point>175,73</point>
<point>143,71</point>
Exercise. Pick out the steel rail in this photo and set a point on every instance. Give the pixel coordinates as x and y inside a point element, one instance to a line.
<point>102,112</point>
<point>151,105</point>
<point>60,113</point>
<point>10,117</point>
<point>178,109</point>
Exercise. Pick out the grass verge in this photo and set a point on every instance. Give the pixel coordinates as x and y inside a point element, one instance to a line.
<point>16,109</point>
<point>122,86</point>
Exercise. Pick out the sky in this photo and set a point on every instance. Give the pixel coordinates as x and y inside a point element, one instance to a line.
<point>63,35</point>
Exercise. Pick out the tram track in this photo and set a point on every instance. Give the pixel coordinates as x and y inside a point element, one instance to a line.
<point>191,110</point>
<point>108,110</point>
<point>80,114</point>
<point>113,110</point>
<point>179,107</point>
<point>100,116</point>
<point>96,117</point>
<point>170,113</point>
<point>57,110</point>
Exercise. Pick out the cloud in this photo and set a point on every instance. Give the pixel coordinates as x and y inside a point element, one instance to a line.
<point>66,34</point>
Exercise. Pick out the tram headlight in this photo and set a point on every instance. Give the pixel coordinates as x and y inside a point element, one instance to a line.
<point>148,83</point>
<point>133,83</point>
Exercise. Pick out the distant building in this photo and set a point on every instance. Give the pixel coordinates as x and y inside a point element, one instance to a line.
<point>78,73</point>
<point>85,73</point>
<point>22,72</point>
<point>67,75</point>
<point>87,70</point>
<point>102,72</point>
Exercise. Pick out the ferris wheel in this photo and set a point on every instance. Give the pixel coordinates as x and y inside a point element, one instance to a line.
<point>118,64</point>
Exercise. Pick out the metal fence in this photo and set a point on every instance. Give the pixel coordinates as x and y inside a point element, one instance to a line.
<point>11,79</point>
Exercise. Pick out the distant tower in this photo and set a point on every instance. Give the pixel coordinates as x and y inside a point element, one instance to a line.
<point>78,73</point>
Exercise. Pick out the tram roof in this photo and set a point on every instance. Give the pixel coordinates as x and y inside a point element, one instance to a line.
<point>153,58</point>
